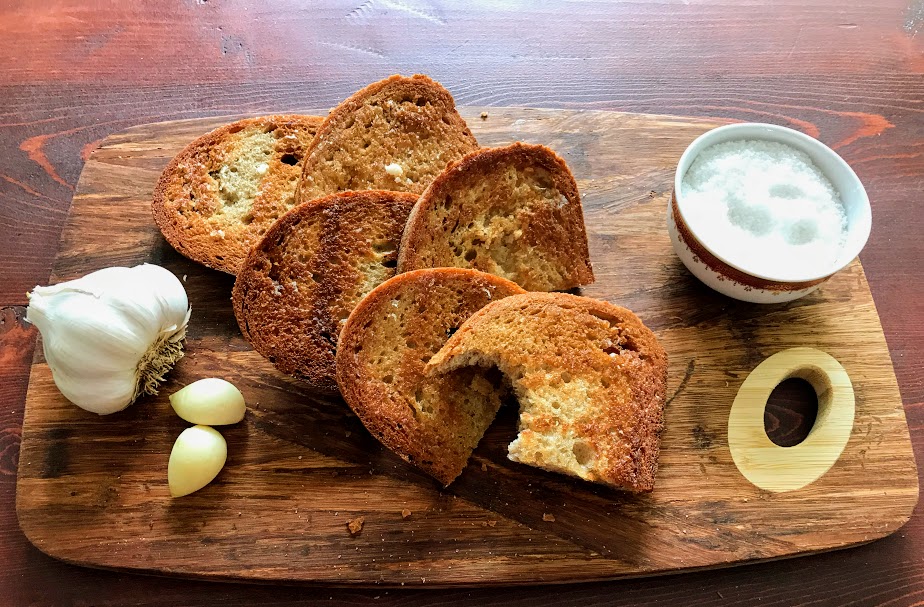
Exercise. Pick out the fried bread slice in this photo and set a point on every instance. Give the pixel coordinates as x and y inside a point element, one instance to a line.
<point>514,212</point>
<point>223,191</point>
<point>396,134</point>
<point>590,379</point>
<point>299,284</point>
<point>433,423</point>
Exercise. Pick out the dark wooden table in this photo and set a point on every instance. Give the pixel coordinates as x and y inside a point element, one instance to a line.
<point>849,73</point>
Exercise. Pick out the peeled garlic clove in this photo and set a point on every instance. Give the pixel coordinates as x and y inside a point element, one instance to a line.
<point>211,401</point>
<point>198,455</point>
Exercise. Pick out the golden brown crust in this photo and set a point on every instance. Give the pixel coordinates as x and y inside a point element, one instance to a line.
<point>513,211</point>
<point>589,376</point>
<point>304,277</point>
<point>408,122</point>
<point>215,199</point>
<point>388,339</point>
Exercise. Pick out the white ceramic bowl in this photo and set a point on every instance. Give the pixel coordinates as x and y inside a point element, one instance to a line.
<point>724,275</point>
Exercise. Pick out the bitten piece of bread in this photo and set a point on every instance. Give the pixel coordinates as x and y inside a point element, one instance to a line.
<point>396,134</point>
<point>220,194</point>
<point>589,376</point>
<point>299,284</point>
<point>433,423</point>
<point>514,212</point>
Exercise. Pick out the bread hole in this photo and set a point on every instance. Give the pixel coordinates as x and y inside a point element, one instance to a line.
<point>555,405</point>
<point>451,331</point>
<point>247,219</point>
<point>411,344</point>
<point>471,254</point>
<point>390,263</point>
<point>350,122</point>
<point>272,359</point>
<point>447,203</point>
<point>289,159</point>
<point>384,247</point>
<point>388,378</point>
<point>583,452</point>
<point>421,102</point>
<point>604,382</point>
<point>269,128</point>
<point>233,169</point>
<point>418,396</point>
<point>446,119</point>
<point>566,377</point>
<point>219,257</point>
<point>366,144</point>
<point>613,350</point>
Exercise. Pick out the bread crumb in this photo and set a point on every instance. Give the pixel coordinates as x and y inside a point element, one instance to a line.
<point>394,169</point>
<point>492,523</point>
<point>355,526</point>
<point>484,115</point>
<point>405,513</point>
<point>549,518</point>
<point>484,467</point>
<point>217,233</point>
<point>261,168</point>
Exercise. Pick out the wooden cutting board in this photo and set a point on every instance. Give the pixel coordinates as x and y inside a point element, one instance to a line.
<point>93,491</point>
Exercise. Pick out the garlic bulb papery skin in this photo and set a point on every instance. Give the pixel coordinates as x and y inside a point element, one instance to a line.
<point>112,335</point>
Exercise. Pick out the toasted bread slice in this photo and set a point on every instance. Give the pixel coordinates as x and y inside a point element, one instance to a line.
<point>589,376</point>
<point>513,212</point>
<point>299,284</point>
<point>396,134</point>
<point>220,194</point>
<point>434,423</point>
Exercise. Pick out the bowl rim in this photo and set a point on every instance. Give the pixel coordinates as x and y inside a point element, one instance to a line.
<point>800,141</point>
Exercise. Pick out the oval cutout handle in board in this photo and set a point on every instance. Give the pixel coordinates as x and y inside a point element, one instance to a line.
<point>775,468</point>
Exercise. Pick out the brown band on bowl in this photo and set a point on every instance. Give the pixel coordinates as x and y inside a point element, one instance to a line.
<point>726,271</point>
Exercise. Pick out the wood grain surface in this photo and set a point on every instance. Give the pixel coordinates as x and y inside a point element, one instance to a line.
<point>92,490</point>
<point>848,73</point>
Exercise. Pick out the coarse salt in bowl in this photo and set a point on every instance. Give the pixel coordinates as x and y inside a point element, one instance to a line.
<point>765,214</point>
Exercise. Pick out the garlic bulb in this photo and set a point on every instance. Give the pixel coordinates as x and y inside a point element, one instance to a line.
<point>112,335</point>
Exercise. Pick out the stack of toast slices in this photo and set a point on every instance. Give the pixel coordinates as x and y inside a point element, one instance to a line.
<point>382,254</point>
